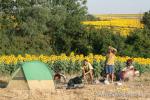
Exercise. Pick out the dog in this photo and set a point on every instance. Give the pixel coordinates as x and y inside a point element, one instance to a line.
<point>75,82</point>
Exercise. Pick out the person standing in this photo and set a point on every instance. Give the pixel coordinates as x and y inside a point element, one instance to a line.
<point>110,63</point>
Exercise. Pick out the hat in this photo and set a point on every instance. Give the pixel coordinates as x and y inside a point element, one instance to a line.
<point>112,48</point>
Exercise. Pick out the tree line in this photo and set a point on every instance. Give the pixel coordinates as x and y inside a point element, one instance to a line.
<point>54,27</point>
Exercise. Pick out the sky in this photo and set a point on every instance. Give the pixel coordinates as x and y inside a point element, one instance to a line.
<point>118,6</point>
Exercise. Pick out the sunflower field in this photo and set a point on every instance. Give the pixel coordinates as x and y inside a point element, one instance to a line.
<point>69,64</point>
<point>121,25</point>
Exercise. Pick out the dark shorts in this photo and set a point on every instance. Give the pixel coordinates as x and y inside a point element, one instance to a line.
<point>109,69</point>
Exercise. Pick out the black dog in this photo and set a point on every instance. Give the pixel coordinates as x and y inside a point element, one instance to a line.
<point>74,81</point>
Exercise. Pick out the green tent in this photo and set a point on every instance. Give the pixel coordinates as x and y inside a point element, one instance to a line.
<point>32,75</point>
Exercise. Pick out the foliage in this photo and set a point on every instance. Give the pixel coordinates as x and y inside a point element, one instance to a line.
<point>146,19</point>
<point>70,64</point>
<point>102,38</point>
<point>55,27</point>
<point>8,69</point>
<point>139,40</point>
<point>90,17</point>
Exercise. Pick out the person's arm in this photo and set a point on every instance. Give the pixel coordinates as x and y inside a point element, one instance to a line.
<point>90,67</point>
<point>124,69</point>
<point>83,70</point>
<point>88,72</point>
<point>106,60</point>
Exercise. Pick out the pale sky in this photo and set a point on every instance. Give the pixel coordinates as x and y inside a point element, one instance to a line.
<point>117,6</point>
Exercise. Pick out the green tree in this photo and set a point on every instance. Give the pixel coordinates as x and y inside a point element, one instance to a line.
<point>58,21</point>
<point>101,39</point>
<point>146,19</point>
<point>90,17</point>
<point>67,26</point>
<point>140,42</point>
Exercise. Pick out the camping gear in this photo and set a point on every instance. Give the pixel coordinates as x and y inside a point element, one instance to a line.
<point>32,75</point>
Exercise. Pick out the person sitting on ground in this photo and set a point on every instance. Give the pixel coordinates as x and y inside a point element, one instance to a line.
<point>87,69</point>
<point>129,71</point>
<point>109,63</point>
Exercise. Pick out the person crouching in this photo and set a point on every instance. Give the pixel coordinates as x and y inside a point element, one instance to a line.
<point>87,69</point>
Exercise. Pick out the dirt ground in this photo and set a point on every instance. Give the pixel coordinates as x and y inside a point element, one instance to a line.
<point>139,89</point>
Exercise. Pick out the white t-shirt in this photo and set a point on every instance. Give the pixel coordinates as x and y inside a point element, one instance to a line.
<point>88,66</point>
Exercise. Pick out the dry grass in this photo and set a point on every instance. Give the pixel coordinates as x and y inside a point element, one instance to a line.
<point>5,78</point>
<point>139,89</point>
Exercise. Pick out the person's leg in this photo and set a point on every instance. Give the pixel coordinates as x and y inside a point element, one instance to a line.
<point>107,77</point>
<point>121,73</point>
<point>91,75</point>
<point>112,73</point>
<point>107,72</point>
<point>112,77</point>
<point>83,74</point>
